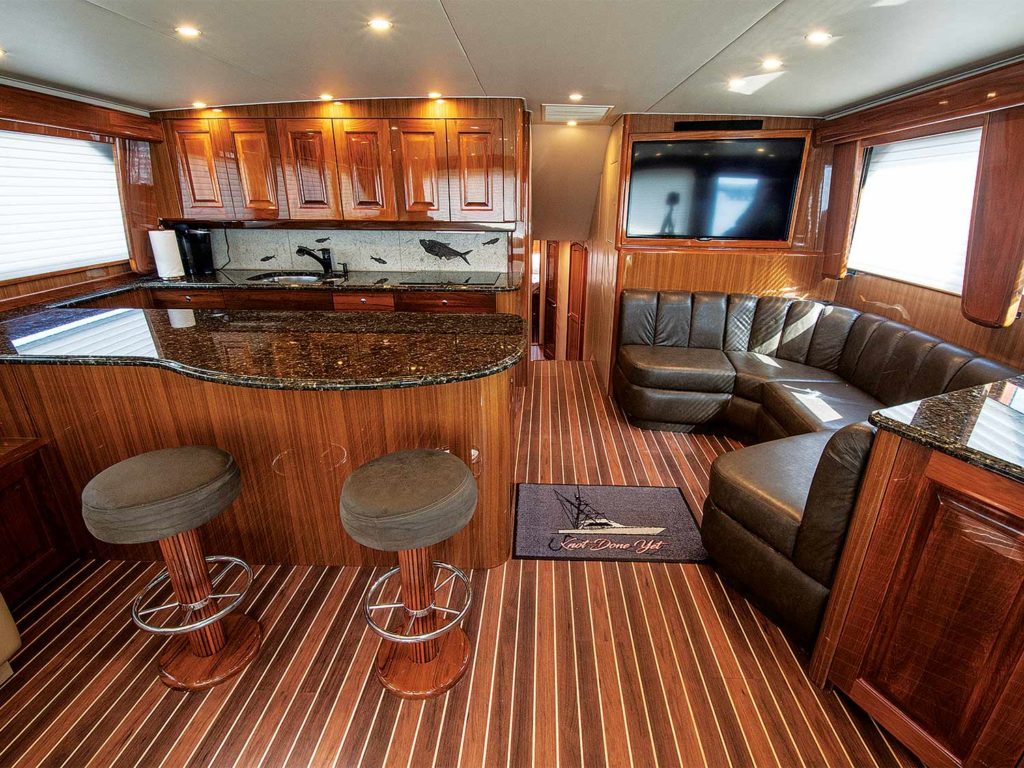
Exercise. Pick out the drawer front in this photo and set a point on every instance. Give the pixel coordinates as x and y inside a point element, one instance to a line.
<point>448,301</point>
<point>364,302</point>
<point>180,297</point>
<point>294,299</point>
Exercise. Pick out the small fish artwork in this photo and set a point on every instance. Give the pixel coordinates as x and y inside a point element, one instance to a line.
<point>444,251</point>
<point>378,259</point>
<point>492,241</point>
<point>381,281</point>
<point>268,258</point>
<point>323,240</point>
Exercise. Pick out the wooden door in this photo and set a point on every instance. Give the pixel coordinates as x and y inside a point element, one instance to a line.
<point>310,168</point>
<point>364,169</point>
<point>202,171</point>
<point>475,172</point>
<point>577,301</point>
<point>550,298</point>
<point>254,167</point>
<point>933,644</point>
<point>421,169</point>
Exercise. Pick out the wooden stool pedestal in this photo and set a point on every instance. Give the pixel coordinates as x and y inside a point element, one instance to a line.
<point>400,673</point>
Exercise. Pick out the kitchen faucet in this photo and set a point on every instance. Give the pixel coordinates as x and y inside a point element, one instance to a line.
<point>322,257</point>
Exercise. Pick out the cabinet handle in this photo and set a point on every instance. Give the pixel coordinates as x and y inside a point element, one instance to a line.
<point>188,298</point>
<point>362,301</point>
<point>444,302</point>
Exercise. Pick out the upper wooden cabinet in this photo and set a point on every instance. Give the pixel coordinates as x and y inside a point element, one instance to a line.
<point>475,173</point>
<point>365,169</point>
<point>421,169</point>
<point>201,169</point>
<point>254,172</point>
<point>310,168</point>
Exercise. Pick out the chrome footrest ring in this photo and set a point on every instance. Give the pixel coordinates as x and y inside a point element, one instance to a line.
<point>234,599</point>
<point>454,615</point>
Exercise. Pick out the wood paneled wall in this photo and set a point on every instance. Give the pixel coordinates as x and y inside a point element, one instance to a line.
<point>934,312</point>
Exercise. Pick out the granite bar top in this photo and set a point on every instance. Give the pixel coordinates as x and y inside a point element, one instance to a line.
<point>274,349</point>
<point>981,425</point>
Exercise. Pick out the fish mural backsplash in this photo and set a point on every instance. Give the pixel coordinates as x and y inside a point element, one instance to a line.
<point>362,250</point>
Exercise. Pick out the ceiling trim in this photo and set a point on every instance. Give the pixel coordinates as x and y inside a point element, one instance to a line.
<point>417,97</point>
<point>72,96</point>
<point>930,85</point>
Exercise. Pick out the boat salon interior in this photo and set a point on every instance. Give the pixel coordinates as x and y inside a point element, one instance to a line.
<point>512,383</point>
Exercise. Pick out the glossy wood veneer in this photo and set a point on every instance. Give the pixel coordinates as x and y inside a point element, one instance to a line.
<point>295,450</point>
<point>43,109</point>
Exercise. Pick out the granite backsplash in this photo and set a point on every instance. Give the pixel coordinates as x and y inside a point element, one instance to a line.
<point>362,250</point>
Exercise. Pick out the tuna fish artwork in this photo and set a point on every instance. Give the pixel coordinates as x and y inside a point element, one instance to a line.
<point>444,251</point>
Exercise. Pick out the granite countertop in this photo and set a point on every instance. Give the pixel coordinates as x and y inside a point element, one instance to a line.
<point>981,425</point>
<point>274,349</point>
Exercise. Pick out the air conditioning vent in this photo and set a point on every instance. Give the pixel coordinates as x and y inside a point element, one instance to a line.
<point>581,113</point>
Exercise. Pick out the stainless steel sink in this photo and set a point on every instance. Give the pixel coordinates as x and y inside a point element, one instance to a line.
<point>285,278</point>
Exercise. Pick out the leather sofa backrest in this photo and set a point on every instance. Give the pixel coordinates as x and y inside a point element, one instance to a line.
<point>891,361</point>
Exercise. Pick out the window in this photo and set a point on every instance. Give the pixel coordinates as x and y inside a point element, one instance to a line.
<point>59,205</point>
<point>915,210</point>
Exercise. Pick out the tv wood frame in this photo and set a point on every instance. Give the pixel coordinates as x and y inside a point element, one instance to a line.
<point>677,243</point>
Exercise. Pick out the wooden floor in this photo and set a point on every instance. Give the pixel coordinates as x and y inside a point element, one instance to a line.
<point>593,664</point>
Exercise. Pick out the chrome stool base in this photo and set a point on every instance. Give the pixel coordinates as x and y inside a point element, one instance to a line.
<point>450,616</point>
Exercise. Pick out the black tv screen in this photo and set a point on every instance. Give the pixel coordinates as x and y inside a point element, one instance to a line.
<point>715,189</point>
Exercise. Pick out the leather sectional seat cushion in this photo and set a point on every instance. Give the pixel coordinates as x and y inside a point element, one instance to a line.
<point>802,377</point>
<point>681,368</point>
<point>816,406</point>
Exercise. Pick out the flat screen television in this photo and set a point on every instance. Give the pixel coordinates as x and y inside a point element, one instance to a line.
<point>714,189</point>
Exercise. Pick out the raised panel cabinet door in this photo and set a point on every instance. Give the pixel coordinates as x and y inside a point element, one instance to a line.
<point>949,630</point>
<point>421,169</point>
<point>255,168</point>
<point>201,169</point>
<point>475,173</point>
<point>364,169</point>
<point>310,168</point>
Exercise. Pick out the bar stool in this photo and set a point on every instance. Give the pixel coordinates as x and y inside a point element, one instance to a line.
<point>165,496</point>
<point>405,502</point>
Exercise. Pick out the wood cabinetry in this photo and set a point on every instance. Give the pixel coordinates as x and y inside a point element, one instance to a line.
<point>364,302</point>
<point>365,170</point>
<point>202,175</point>
<point>310,168</point>
<point>253,167</point>
<point>577,301</point>
<point>32,544</point>
<point>475,169</point>
<point>927,633</point>
<point>421,170</point>
<point>445,301</point>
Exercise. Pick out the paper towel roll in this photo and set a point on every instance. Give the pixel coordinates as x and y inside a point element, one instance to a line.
<point>181,318</point>
<point>165,252</point>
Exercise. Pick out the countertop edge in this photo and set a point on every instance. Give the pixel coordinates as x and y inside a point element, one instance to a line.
<point>259,382</point>
<point>967,455</point>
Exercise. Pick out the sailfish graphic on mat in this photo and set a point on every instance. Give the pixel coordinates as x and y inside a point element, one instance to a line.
<point>444,251</point>
<point>585,519</point>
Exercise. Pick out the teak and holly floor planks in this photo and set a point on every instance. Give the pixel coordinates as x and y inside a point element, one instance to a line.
<point>618,664</point>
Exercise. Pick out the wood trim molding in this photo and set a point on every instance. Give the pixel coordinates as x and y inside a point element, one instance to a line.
<point>994,275</point>
<point>844,194</point>
<point>980,94</point>
<point>24,106</point>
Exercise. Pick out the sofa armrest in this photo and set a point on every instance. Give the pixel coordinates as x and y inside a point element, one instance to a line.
<point>830,502</point>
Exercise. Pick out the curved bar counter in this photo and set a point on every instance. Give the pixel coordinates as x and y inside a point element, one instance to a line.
<point>299,398</point>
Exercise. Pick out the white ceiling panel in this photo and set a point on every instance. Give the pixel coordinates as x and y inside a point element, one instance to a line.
<point>879,46</point>
<point>629,54</point>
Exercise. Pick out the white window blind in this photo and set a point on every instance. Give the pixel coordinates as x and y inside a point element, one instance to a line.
<point>59,205</point>
<point>914,216</point>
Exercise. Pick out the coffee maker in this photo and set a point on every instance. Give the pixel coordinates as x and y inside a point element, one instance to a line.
<point>196,250</point>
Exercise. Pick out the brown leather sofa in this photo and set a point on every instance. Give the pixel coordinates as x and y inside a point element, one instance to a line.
<point>801,376</point>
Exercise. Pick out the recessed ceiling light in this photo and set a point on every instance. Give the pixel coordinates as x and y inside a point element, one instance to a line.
<point>325,97</point>
<point>818,37</point>
<point>575,97</point>
<point>434,95</point>
<point>771,63</point>
<point>571,123</point>
<point>188,31</point>
<point>199,105</point>
<point>380,24</point>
